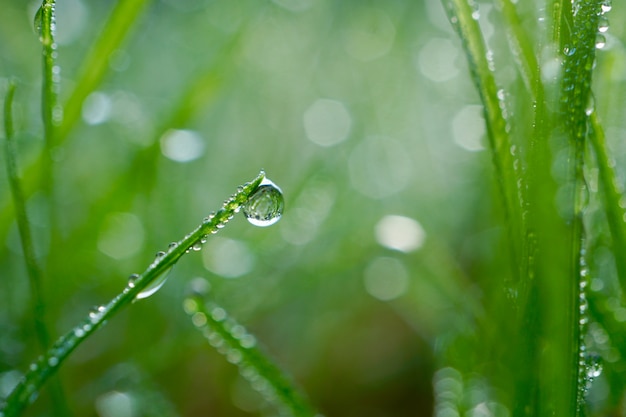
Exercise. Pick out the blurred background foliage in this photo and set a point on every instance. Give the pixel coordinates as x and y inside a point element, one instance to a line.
<point>382,275</point>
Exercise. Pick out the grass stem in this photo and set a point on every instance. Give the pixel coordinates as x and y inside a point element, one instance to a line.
<point>28,388</point>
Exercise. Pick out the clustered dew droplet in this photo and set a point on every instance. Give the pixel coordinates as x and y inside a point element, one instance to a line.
<point>265,206</point>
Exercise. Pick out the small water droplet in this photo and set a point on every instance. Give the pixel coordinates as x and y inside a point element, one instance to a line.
<point>605,7</point>
<point>172,245</point>
<point>197,246</point>
<point>238,331</point>
<point>215,340</point>
<point>132,279</point>
<point>198,319</point>
<point>569,51</point>
<point>33,367</point>
<point>159,254</point>
<point>199,286</point>
<point>595,366</point>
<point>155,285</point>
<point>53,361</point>
<point>265,206</point>
<point>600,41</point>
<point>603,24</point>
<point>234,356</point>
<point>78,332</point>
<point>247,341</point>
<point>218,314</point>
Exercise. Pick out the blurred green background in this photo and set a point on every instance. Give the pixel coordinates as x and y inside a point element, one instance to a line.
<point>364,114</point>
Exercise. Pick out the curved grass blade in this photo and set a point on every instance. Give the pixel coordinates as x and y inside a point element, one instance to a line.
<point>32,265</point>
<point>611,192</point>
<point>28,388</point>
<point>33,268</point>
<point>240,348</point>
<point>463,17</point>
<point>96,63</point>
<point>93,70</point>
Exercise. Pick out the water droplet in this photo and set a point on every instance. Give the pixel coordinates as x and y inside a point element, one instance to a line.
<point>218,314</point>
<point>238,331</point>
<point>197,246</point>
<point>265,205</point>
<point>155,285</point>
<point>234,356</point>
<point>53,361</point>
<point>593,363</point>
<point>603,24</point>
<point>569,51</point>
<point>247,341</point>
<point>132,279</point>
<point>605,7</point>
<point>215,340</point>
<point>198,319</point>
<point>600,41</point>
<point>78,332</point>
<point>33,367</point>
<point>199,286</point>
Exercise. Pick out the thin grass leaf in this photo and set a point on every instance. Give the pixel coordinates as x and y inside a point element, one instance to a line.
<point>32,265</point>
<point>28,388</point>
<point>240,348</point>
<point>96,63</point>
<point>33,268</point>
<point>58,120</point>
<point>612,193</point>
<point>463,15</point>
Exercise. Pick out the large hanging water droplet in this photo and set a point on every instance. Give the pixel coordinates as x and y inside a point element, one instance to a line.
<point>265,205</point>
<point>154,285</point>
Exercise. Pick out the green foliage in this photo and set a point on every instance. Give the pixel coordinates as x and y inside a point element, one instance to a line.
<point>409,273</point>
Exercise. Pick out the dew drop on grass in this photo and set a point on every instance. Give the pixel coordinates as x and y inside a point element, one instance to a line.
<point>594,366</point>
<point>155,285</point>
<point>132,279</point>
<point>600,41</point>
<point>265,205</point>
<point>603,24</point>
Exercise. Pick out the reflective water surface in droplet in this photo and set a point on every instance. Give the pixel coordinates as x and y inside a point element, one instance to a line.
<point>155,285</point>
<point>265,205</point>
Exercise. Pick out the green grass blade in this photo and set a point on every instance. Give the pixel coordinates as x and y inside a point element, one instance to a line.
<point>96,64</point>
<point>239,346</point>
<point>32,265</point>
<point>463,16</point>
<point>33,268</point>
<point>27,390</point>
<point>611,193</point>
<point>93,70</point>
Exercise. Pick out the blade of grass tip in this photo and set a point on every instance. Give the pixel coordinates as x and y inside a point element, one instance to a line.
<point>463,17</point>
<point>28,388</point>
<point>612,193</point>
<point>96,63</point>
<point>33,268</point>
<point>240,348</point>
<point>51,110</point>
